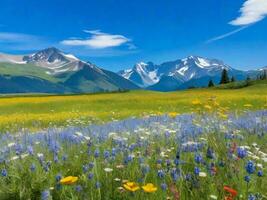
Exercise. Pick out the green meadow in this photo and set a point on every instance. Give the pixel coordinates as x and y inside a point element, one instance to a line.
<point>41,111</point>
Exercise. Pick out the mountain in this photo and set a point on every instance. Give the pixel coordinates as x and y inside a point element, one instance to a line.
<point>52,71</point>
<point>193,71</point>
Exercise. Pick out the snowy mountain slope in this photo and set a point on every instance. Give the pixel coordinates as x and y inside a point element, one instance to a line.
<point>184,70</point>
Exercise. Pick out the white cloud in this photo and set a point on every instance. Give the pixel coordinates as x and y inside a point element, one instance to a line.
<point>226,34</point>
<point>252,11</point>
<point>22,42</point>
<point>15,37</point>
<point>98,40</point>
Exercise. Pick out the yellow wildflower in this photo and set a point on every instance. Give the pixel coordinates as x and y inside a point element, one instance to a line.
<point>248,105</point>
<point>69,180</point>
<point>131,186</point>
<point>222,115</point>
<point>208,107</point>
<point>196,102</point>
<point>173,114</point>
<point>149,188</point>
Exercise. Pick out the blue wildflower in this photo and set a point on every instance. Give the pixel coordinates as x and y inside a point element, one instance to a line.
<point>97,185</point>
<point>241,152</point>
<point>85,168</point>
<point>250,167</point>
<point>161,173</point>
<point>106,154</point>
<point>90,176</point>
<point>96,153</point>
<point>196,171</point>
<point>260,173</point>
<point>198,158</point>
<point>78,188</point>
<point>163,186</point>
<point>45,195</point>
<point>251,197</point>
<point>210,153</point>
<point>58,177</point>
<point>4,172</point>
<point>247,179</point>
<point>32,167</point>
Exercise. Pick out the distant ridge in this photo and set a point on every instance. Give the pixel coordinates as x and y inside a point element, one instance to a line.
<point>52,71</point>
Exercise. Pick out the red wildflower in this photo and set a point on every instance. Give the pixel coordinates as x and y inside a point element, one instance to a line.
<point>230,190</point>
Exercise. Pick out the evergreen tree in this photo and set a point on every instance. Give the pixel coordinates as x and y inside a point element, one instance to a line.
<point>233,79</point>
<point>264,76</point>
<point>248,78</point>
<point>211,84</point>
<point>224,77</point>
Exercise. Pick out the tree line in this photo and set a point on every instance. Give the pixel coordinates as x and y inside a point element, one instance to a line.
<point>225,78</point>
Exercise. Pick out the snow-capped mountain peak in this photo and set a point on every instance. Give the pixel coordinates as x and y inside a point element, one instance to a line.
<point>54,60</point>
<point>191,67</point>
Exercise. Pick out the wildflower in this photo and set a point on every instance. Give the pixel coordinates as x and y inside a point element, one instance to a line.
<point>97,185</point>
<point>252,197</point>
<point>210,153</point>
<point>96,154</point>
<point>247,105</point>
<point>260,173</point>
<point>196,171</point>
<point>58,177</point>
<point>163,186</point>
<point>69,180</point>
<point>120,166</point>
<point>161,173</point>
<point>78,188</point>
<point>172,114</point>
<point>4,172</point>
<point>106,154</point>
<point>45,195</point>
<point>117,179</point>
<point>121,189</point>
<point>202,174</point>
<point>30,150</point>
<point>196,102</point>
<point>250,167</point>
<point>208,107</point>
<point>131,186</point>
<point>32,167</point>
<point>85,168</point>
<point>108,170</point>
<point>230,190</point>
<point>90,176</point>
<point>198,158</point>
<point>241,152</point>
<point>247,178</point>
<point>149,187</point>
<point>213,197</point>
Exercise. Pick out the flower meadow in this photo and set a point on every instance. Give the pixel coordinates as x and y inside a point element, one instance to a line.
<point>209,154</point>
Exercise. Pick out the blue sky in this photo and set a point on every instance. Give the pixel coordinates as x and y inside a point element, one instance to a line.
<point>115,34</point>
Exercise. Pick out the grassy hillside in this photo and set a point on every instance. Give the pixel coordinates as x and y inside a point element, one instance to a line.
<point>41,111</point>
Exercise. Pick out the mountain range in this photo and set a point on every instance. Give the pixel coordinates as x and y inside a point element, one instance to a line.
<point>53,71</point>
<point>193,71</point>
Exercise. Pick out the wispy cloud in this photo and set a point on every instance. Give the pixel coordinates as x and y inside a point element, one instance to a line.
<point>99,40</point>
<point>21,42</point>
<point>226,34</point>
<point>252,11</point>
<point>7,37</point>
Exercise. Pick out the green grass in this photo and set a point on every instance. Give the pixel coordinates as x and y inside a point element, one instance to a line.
<point>28,111</point>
